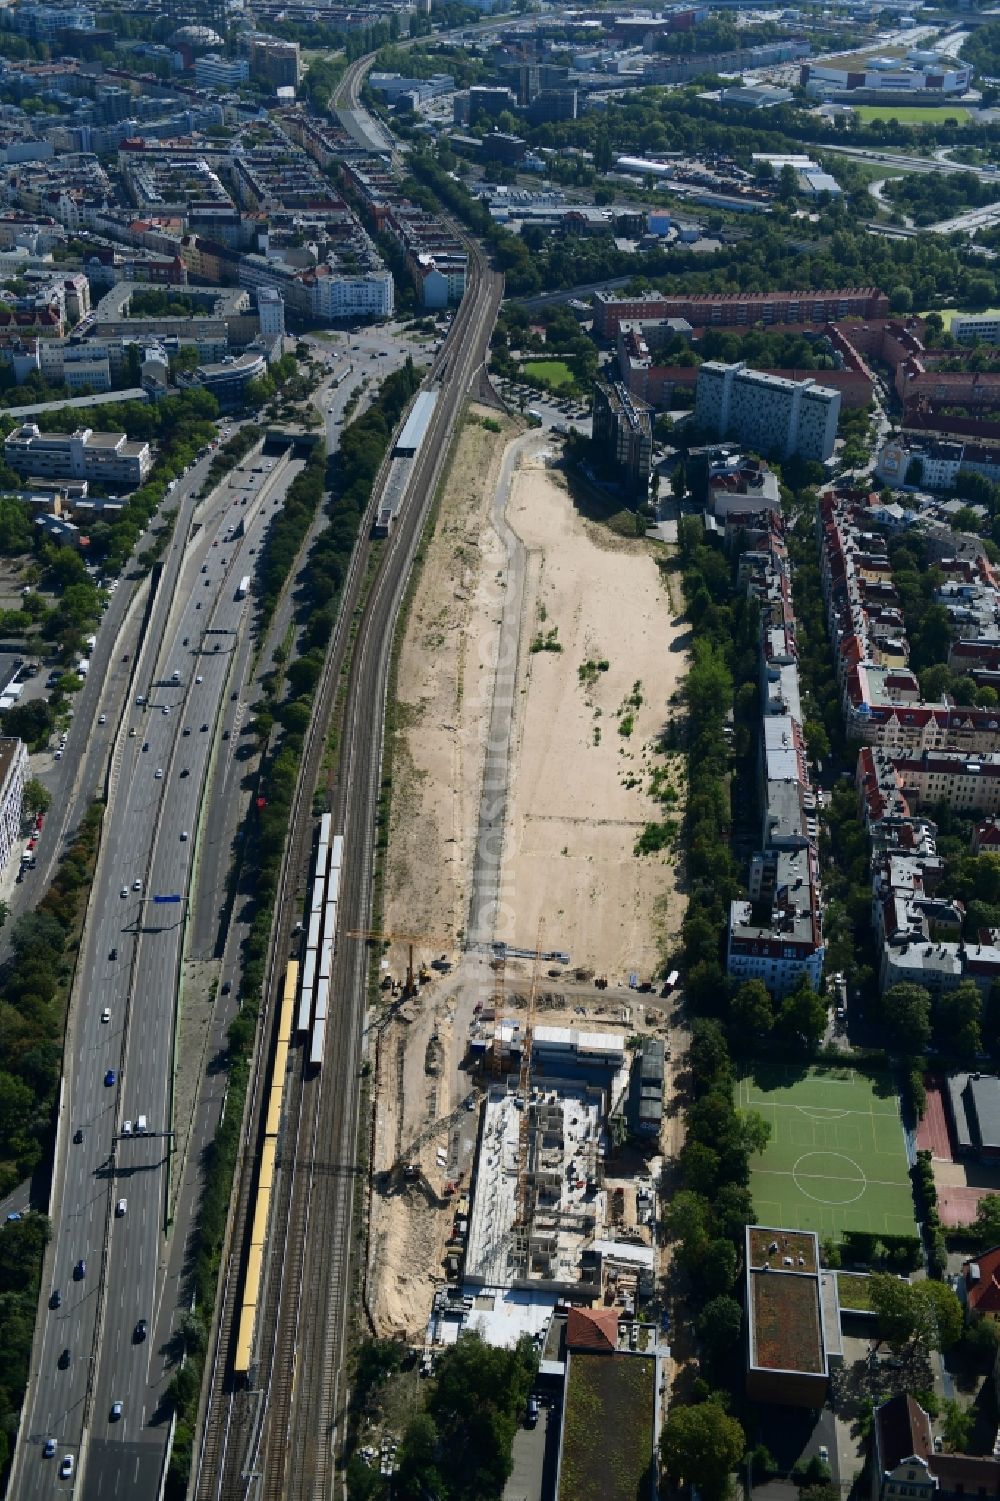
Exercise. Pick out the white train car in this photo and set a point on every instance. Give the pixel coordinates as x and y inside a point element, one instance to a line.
<point>317,1045</point>
<point>308,987</point>
<point>337,852</point>
<point>325,827</point>
<point>322,999</point>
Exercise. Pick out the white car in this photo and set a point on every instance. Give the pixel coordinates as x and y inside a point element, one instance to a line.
<point>116,1407</point>
<point>124,891</point>
<point>120,1208</point>
<point>136,885</point>
<point>126,1128</point>
<point>199,678</point>
<point>158,774</point>
<point>184,834</point>
<point>102,719</point>
<point>58,755</point>
<point>165,709</point>
<point>106,1015</point>
<point>66,1468</point>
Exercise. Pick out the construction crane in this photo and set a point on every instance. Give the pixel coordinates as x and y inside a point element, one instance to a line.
<point>522,1213</point>
<point>498,964</point>
<point>424,939</point>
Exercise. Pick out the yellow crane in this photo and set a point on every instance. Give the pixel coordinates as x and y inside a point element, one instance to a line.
<point>425,940</point>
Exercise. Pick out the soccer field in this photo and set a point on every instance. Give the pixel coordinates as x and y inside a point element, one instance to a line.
<point>836,1160</point>
<point>913,114</point>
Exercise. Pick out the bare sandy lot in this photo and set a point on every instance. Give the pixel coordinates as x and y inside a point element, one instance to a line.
<point>581,783</point>
<point>579,797</point>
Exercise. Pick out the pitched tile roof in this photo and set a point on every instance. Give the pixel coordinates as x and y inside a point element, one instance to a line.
<point>982,1291</point>
<point>903,1429</point>
<point>592,1329</point>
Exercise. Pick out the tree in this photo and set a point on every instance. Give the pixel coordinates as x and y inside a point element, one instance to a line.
<point>939,1315</point>
<point>894,1306</point>
<point>987,1222</point>
<point>957,1423</point>
<point>801,1019</point>
<point>751,1012</point>
<point>717,1266</point>
<point>702,1446</point>
<point>901,299</point>
<point>788,184</point>
<point>719,1325</point>
<point>906,1015</point>
<point>958,1020</point>
<point>37,798</point>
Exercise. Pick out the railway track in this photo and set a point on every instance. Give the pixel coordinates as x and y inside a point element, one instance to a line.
<point>276,1437</point>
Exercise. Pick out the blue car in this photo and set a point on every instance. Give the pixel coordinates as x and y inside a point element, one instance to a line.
<point>109,1077</point>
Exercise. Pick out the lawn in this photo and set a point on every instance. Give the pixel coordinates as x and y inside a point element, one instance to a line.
<point>948,313</point>
<point>552,373</point>
<point>608,1435</point>
<point>854,1291</point>
<point>836,1160</point>
<point>913,114</point>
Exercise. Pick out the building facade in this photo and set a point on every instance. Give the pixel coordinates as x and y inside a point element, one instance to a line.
<point>13,776</point>
<point>106,458</point>
<point>767,411</point>
<point>623,428</point>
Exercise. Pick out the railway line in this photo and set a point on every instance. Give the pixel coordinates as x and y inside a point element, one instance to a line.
<point>273,1418</point>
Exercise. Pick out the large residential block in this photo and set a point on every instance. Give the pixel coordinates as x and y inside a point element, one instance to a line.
<point>767,412</point>
<point>735,309</point>
<point>106,458</point>
<point>622,429</point>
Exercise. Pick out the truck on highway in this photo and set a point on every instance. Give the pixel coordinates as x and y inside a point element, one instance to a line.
<point>243,587</point>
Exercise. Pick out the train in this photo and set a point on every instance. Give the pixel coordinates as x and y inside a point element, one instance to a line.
<point>321,932</point>
<point>265,1176</point>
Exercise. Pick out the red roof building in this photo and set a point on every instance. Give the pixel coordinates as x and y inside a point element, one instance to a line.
<point>594,1329</point>
<point>980,1285</point>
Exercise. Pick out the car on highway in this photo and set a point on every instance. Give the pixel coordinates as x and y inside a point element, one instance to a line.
<point>55,1298</point>
<point>116,1412</point>
<point>199,678</point>
<point>80,1270</point>
<point>126,1128</point>
<point>113,955</point>
<point>225,734</point>
<point>78,1135</point>
<point>102,719</point>
<point>66,1468</point>
<point>158,774</point>
<point>137,884</point>
<point>165,709</point>
<point>124,891</point>
<point>109,1078</point>
<point>184,835</point>
<point>50,1448</point>
<point>145,745</point>
<point>139,1332</point>
<point>204,727</point>
<point>184,772</point>
<point>65,1359</point>
<point>131,733</point>
<point>106,1014</point>
<point>120,1208</point>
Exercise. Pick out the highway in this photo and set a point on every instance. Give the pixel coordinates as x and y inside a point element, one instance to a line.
<point>283,1427</point>
<point>148,845</point>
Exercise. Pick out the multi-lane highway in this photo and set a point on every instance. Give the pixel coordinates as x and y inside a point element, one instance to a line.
<point>280,1434</point>
<point>110,1195</point>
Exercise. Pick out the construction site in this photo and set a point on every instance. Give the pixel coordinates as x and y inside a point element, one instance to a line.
<point>519,1082</point>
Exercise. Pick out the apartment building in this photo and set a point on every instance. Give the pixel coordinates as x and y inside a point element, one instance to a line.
<point>972,328</point>
<point>767,412</point>
<point>212,71</point>
<point>275,62</point>
<point>736,309</point>
<point>623,429</point>
<point>105,458</point>
<point>776,933</point>
<point>880,695</point>
<point>13,776</point>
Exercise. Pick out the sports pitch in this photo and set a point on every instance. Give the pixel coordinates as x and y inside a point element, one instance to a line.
<point>836,1160</point>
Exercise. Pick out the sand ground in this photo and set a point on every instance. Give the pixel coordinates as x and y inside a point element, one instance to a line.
<point>580,795</point>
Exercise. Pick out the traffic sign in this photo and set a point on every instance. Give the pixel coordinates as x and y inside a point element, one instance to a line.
<point>175,898</point>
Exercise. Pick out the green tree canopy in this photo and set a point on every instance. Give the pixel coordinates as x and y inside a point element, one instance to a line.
<point>702,1446</point>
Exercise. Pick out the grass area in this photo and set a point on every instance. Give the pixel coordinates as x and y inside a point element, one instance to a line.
<point>552,373</point>
<point>913,114</point>
<point>608,1441</point>
<point>836,1160</point>
<point>948,313</point>
<point>786,1322</point>
<point>854,1291</point>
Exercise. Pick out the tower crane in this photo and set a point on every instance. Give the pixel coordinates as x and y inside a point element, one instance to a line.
<point>380,935</point>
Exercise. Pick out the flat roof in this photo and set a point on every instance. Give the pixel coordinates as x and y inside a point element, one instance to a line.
<point>417,422</point>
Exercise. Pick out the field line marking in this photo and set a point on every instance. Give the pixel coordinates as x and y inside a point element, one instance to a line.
<point>780,1172</point>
